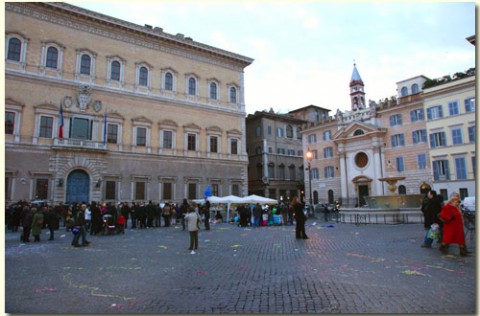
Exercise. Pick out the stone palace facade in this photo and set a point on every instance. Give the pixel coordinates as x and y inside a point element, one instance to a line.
<point>101,109</point>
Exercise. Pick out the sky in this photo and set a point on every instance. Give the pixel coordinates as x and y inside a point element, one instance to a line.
<point>304,51</point>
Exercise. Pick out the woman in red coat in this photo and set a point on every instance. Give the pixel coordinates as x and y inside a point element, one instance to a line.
<point>453,233</point>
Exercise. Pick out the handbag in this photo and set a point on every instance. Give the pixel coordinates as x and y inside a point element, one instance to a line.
<point>434,232</point>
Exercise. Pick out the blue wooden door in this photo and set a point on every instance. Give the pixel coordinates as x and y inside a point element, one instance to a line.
<point>78,187</point>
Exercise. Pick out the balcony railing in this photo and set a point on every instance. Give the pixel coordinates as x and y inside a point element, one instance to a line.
<point>79,143</point>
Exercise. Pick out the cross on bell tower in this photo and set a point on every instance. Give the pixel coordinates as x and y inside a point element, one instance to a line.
<point>357,94</point>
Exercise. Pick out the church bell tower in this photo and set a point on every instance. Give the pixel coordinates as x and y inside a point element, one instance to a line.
<point>357,93</point>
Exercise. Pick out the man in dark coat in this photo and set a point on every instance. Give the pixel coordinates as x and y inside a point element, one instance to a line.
<point>150,208</point>
<point>300,219</point>
<point>430,209</point>
<point>257,215</point>
<point>207,215</point>
<point>52,221</point>
<point>97,222</point>
<point>27,217</point>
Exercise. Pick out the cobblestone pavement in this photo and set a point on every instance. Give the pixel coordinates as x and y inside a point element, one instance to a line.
<point>342,268</point>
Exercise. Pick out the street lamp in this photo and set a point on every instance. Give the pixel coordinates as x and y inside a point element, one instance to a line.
<point>309,156</point>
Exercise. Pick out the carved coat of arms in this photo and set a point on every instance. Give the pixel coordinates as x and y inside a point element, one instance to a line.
<point>84,97</point>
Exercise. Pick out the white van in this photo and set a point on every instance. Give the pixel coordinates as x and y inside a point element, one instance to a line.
<point>468,204</point>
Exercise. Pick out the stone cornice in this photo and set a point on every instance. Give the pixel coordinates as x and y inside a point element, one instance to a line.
<point>99,24</point>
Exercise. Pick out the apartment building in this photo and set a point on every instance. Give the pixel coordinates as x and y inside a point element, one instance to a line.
<point>451,128</point>
<point>274,147</point>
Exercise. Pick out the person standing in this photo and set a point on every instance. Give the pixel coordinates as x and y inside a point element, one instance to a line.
<point>158,215</point>
<point>257,215</point>
<point>300,219</point>
<point>431,208</point>
<point>207,215</point>
<point>125,212</point>
<point>80,225</point>
<point>97,222</point>
<point>183,211</point>
<point>451,216</point>
<point>88,219</point>
<point>52,222</point>
<point>192,220</point>
<point>150,210</point>
<point>284,213</point>
<point>37,223</point>
<point>166,214</point>
<point>26,216</point>
<point>133,215</point>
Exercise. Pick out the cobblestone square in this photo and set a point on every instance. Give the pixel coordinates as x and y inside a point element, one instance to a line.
<point>341,268</point>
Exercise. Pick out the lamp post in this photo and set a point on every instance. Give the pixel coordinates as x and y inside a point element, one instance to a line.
<point>309,156</point>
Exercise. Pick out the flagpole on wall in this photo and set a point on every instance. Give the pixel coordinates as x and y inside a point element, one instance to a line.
<point>105,127</point>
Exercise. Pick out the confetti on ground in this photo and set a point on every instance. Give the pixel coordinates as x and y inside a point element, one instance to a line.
<point>236,246</point>
<point>278,246</point>
<point>163,247</point>
<point>412,272</point>
<point>329,226</point>
<point>46,290</point>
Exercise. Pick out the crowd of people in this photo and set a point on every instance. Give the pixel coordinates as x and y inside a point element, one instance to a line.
<point>97,218</point>
<point>443,222</point>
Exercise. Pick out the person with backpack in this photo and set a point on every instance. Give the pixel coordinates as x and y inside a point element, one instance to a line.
<point>80,228</point>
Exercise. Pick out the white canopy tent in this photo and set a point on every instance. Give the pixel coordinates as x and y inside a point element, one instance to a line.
<point>233,199</point>
<point>258,199</point>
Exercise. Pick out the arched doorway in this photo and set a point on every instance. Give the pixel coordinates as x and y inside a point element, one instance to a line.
<point>402,189</point>
<point>78,187</point>
<point>362,187</point>
<point>330,196</point>
<point>315,197</point>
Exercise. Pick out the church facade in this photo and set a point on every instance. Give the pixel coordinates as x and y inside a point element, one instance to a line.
<point>101,109</point>
<point>390,147</point>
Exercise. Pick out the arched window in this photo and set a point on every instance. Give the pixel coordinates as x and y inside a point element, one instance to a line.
<point>52,57</point>
<point>143,76</point>
<point>289,131</point>
<point>414,88</point>
<point>192,90</point>
<point>14,48</point>
<point>404,92</point>
<point>115,71</point>
<point>213,91</point>
<point>85,65</point>
<point>402,189</point>
<point>168,81</point>
<point>358,132</point>
<point>233,95</point>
